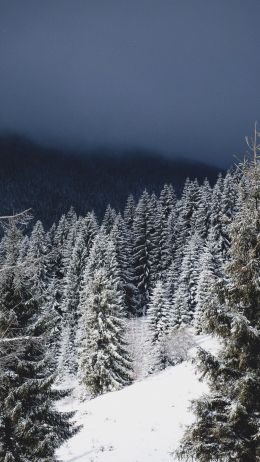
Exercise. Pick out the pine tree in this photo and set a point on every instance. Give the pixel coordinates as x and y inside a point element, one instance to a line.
<point>108,220</point>
<point>166,219</point>
<point>202,216</point>
<point>185,296</point>
<point>210,267</point>
<point>159,323</point>
<point>228,419</point>
<point>124,255</point>
<point>70,308</point>
<point>105,365</point>
<point>143,258</point>
<point>217,225</point>
<point>129,212</point>
<point>167,201</point>
<point>102,255</point>
<point>187,208</point>
<point>31,428</point>
<point>38,258</point>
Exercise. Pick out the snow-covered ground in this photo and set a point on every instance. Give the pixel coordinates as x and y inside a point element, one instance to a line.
<point>141,423</point>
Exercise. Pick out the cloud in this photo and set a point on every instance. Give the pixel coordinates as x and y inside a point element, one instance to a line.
<point>178,77</point>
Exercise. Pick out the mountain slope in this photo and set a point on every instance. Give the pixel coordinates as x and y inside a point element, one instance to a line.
<point>141,423</point>
<point>49,180</point>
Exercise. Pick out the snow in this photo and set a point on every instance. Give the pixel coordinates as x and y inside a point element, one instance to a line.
<point>143,422</point>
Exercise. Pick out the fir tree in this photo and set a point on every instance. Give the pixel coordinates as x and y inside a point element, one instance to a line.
<point>105,365</point>
<point>159,323</point>
<point>210,267</point>
<point>124,256</point>
<point>228,422</point>
<point>129,212</point>
<point>217,225</point>
<point>185,296</point>
<point>108,220</point>
<point>70,308</point>
<point>143,257</point>
<point>201,220</point>
<point>187,208</point>
<point>31,428</point>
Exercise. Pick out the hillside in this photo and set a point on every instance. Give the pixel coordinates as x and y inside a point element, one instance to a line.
<point>50,180</point>
<point>141,423</point>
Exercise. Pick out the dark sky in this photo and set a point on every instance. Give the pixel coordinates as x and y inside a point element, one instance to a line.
<point>180,77</point>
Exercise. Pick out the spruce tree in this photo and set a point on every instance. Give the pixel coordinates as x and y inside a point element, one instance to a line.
<point>70,309</point>
<point>31,428</point>
<point>129,212</point>
<point>184,301</point>
<point>210,269</point>
<point>69,341</point>
<point>228,419</point>
<point>159,323</point>
<point>105,364</point>
<point>124,255</point>
<point>108,220</point>
<point>143,249</point>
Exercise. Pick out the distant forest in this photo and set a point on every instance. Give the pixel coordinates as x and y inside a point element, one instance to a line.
<point>50,180</point>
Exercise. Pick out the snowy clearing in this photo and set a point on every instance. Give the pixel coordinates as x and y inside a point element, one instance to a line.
<point>143,422</point>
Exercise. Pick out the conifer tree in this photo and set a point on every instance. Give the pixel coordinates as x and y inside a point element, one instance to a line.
<point>167,201</point>
<point>124,256</point>
<point>31,428</point>
<point>105,364</point>
<point>166,209</point>
<point>159,323</point>
<point>129,212</point>
<point>185,295</point>
<point>38,258</point>
<point>108,220</point>
<point>201,220</point>
<point>187,208</point>
<point>143,258</point>
<point>70,308</point>
<point>217,225</point>
<point>227,420</point>
<point>210,269</point>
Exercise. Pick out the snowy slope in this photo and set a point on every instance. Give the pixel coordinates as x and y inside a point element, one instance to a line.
<point>140,423</point>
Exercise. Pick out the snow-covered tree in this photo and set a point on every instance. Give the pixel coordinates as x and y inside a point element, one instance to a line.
<point>228,418</point>
<point>210,269</point>
<point>31,427</point>
<point>159,323</point>
<point>70,330</point>
<point>105,363</point>
<point>217,225</point>
<point>108,220</point>
<point>129,212</point>
<point>123,248</point>
<point>201,219</point>
<point>167,201</point>
<point>187,208</point>
<point>37,256</point>
<point>184,300</point>
<point>143,229</point>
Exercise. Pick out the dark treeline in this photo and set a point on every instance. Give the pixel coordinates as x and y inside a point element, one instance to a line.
<point>50,180</point>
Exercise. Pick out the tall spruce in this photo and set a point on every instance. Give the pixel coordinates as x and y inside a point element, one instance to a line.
<point>105,364</point>
<point>143,249</point>
<point>184,300</point>
<point>159,323</point>
<point>228,419</point>
<point>124,255</point>
<point>31,427</point>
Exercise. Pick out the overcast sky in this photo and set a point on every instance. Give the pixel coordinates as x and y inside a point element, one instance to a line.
<point>180,77</point>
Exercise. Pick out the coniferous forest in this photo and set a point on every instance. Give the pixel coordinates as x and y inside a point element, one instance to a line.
<point>70,295</point>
